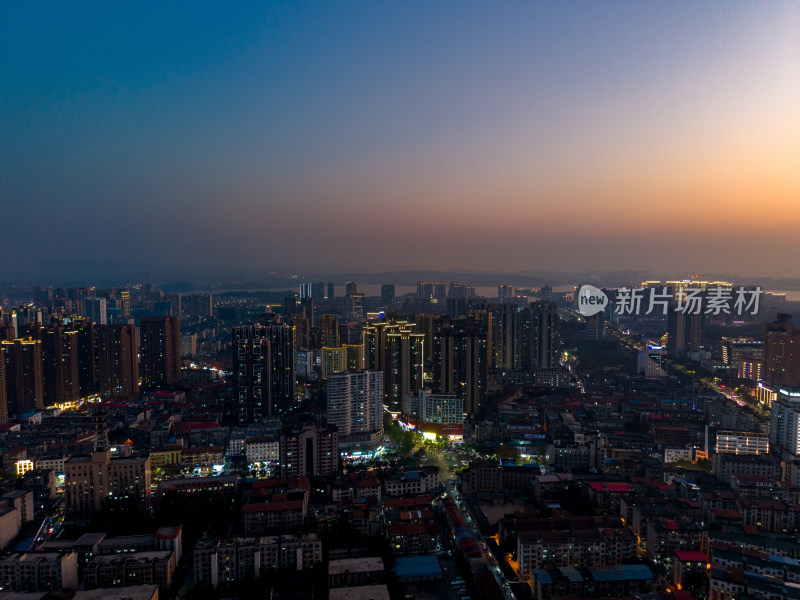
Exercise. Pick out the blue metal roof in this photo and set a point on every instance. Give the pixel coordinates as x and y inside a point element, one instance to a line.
<point>542,576</point>
<point>417,566</point>
<point>622,573</point>
<point>572,574</point>
<point>783,559</point>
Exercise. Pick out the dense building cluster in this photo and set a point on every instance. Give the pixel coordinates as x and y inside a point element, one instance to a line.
<point>433,442</point>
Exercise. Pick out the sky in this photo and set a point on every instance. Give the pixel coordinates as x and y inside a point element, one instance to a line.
<point>190,138</point>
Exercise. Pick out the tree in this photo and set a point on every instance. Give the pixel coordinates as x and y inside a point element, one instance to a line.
<point>507,452</point>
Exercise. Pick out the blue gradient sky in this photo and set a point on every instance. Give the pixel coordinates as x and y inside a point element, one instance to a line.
<point>196,138</point>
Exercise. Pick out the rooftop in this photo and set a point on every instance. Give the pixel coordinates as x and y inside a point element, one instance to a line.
<point>417,566</point>
<point>131,592</point>
<point>365,564</point>
<point>361,592</point>
<point>691,556</point>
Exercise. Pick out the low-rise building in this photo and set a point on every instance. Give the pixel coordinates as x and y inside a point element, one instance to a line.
<point>278,515</point>
<point>230,560</point>
<point>10,524</point>
<point>665,536</point>
<point>418,481</point>
<point>202,457</point>
<point>413,539</point>
<point>39,571</point>
<point>135,568</point>
<point>348,572</point>
<point>92,479</point>
<point>620,581</point>
<point>21,500</point>
<point>686,563</point>
<point>222,485</point>
<point>262,450</point>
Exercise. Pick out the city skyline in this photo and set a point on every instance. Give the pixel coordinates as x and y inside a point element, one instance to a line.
<point>569,137</point>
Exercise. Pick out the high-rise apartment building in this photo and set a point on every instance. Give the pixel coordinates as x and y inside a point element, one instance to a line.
<point>472,351</point>
<point>42,296</point>
<point>782,352</point>
<point>263,370</point>
<point>461,356</point>
<point>86,353</point>
<point>314,290</point>
<point>332,361</point>
<point>505,293</point>
<point>459,290</point>
<point>60,363</point>
<point>356,306</point>
<point>404,365</point>
<point>338,359</point>
<point>511,337</point>
<point>252,373</point>
<point>199,306</point>
<point>457,306</point>
<point>23,373</point>
<point>443,365</point>
<point>3,394</point>
<point>355,403</point>
<point>173,307</point>
<point>350,288</point>
<point>375,345</point>
<point>301,330</point>
<point>160,351</point>
<point>125,303</point>
<point>307,310</point>
<point>544,335</point>
<point>396,349</point>
<point>458,299</point>
<point>115,363</point>
<point>353,357</point>
<point>329,331</point>
<point>95,309</point>
<point>685,330</point>
<point>785,425</point>
<point>290,308</point>
<point>436,292</point>
<point>282,366</point>
<point>387,296</point>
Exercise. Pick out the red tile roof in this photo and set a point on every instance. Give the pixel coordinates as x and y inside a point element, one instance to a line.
<point>691,556</point>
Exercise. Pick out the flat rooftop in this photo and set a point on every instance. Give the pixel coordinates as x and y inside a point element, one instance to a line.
<point>361,592</point>
<point>130,592</point>
<point>366,564</point>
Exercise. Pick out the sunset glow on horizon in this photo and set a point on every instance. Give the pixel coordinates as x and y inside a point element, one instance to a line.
<point>552,136</point>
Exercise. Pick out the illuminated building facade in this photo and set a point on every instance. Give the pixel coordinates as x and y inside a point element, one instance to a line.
<point>742,442</point>
<point>355,402</point>
<point>785,425</point>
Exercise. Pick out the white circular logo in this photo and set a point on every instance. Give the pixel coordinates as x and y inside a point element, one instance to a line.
<point>591,300</point>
